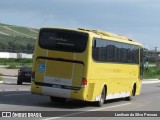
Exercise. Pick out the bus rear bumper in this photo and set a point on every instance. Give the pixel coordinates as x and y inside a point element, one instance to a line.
<point>58,92</point>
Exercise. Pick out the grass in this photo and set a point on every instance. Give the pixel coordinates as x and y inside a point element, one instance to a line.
<point>1,77</point>
<point>18,39</point>
<point>152,73</point>
<point>22,36</point>
<point>14,63</point>
<point>23,30</point>
<point>12,66</point>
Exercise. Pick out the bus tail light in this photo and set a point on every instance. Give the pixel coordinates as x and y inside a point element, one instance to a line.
<point>33,75</point>
<point>19,72</point>
<point>84,82</point>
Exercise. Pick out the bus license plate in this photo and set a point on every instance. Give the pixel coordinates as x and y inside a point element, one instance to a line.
<point>27,74</point>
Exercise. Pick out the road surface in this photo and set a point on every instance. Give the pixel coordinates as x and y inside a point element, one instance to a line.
<point>18,98</point>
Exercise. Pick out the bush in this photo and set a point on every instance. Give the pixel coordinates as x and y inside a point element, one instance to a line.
<point>10,60</point>
<point>17,62</point>
<point>1,78</point>
<point>152,72</point>
<point>12,66</point>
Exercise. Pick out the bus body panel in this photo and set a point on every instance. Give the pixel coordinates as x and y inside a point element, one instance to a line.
<point>118,78</point>
<point>60,73</point>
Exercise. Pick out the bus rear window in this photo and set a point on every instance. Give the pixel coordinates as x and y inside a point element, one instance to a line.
<point>63,40</point>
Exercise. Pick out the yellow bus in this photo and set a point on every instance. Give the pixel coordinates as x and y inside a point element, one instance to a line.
<point>87,65</point>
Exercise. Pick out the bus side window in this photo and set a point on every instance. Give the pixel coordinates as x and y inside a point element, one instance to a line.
<point>95,43</point>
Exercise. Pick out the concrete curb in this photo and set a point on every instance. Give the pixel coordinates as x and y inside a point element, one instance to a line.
<point>150,82</point>
<point>9,77</point>
<point>1,81</point>
<point>145,81</point>
<point>149,79</point>
<point>4,90</point>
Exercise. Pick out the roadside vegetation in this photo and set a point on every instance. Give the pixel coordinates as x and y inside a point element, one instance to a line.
<point>1,77</point>
<point>17,39</point>
<point>13,63</point>
<point>152,73</point>
<point>15,46</point>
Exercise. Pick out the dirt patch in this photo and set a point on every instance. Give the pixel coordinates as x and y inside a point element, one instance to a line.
<point>9,72</point>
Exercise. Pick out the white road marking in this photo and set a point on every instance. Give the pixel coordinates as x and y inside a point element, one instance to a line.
<point>2,90</point>
<point>16,94</point>
<point>52,118</point>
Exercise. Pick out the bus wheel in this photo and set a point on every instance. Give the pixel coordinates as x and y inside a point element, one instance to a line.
<point>102,98</point>
<point>57,99</point>
<point>132,94</point>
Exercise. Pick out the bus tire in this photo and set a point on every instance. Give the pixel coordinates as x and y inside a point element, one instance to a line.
<point>102,98</point>
<point>57,99</point>
<point>132,94</point>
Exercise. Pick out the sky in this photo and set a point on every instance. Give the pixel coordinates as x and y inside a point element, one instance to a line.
<point>136,19</point>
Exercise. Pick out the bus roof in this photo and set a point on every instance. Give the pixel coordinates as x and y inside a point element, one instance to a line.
<point>112,36</point>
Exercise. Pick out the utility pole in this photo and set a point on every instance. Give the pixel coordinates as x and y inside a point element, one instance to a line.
<point>155,48</point>
<point>155,54</point>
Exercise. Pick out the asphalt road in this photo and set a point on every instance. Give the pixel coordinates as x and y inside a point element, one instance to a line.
<point>18,98</point>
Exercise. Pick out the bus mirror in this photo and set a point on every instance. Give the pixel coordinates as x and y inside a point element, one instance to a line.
<point>146,62</point>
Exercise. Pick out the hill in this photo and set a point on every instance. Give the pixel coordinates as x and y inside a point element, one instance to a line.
<point>17,38</point>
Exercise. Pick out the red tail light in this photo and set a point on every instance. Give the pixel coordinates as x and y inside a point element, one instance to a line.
<point>84,82</point>
<point>33,75</point>
<point>19,72</point>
